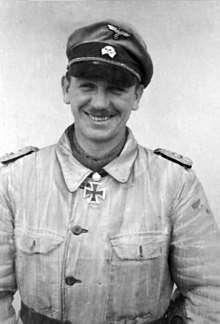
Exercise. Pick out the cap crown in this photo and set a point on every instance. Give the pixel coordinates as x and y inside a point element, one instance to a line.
<point>121,36</point>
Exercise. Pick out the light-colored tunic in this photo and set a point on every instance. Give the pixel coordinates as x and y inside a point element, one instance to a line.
<point>114,260</point>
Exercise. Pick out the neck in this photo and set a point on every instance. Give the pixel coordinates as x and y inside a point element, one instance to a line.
<point>100,149</point>
<point>89,159</point>
<point>97,151</point>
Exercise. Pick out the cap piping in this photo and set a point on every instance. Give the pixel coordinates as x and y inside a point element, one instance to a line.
<point>95,58</point>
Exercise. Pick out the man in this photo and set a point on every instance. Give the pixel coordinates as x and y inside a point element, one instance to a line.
<point>97,229</point>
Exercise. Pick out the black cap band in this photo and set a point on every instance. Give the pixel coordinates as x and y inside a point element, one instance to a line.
<point>106,53</point>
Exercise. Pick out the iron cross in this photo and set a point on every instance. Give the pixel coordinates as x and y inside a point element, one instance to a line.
<point>92,192</point>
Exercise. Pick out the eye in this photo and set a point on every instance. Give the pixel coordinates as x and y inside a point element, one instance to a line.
<point>117,90</point>
<point>86,86</point>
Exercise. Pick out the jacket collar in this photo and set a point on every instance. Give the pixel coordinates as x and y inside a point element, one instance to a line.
<point>75,173</point>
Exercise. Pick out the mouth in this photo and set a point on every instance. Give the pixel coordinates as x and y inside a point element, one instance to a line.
<point>100,118</point>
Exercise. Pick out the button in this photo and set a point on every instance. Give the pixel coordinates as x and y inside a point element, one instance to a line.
<point>77,230</point>
<point>96,176</point>
<point>70,280</point>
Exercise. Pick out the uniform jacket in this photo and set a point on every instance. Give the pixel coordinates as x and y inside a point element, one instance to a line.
<point>110,261</point>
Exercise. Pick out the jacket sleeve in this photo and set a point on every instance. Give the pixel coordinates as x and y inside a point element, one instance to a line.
<point>195,252</point>
<point>7,254</point>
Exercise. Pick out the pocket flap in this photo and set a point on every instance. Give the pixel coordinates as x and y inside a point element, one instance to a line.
<point>43,244</point>
<point>138,246</point>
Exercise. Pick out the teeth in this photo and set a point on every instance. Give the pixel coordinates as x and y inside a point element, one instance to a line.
<point>98,118</point>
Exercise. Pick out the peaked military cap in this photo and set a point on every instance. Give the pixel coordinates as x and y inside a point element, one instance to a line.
<point>113,43</point>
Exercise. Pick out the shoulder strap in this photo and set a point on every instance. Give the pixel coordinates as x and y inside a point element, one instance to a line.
<point>11,157</point>
<point>174,157</point>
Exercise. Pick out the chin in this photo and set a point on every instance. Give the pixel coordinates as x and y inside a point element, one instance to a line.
<point>100,139</point>
<point>98,134</point>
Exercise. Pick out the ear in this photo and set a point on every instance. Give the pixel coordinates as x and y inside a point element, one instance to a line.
<point>138,94</point>
<point>65,83</point>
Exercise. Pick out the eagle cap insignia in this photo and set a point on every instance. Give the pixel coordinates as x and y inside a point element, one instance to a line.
<point>118,32</point>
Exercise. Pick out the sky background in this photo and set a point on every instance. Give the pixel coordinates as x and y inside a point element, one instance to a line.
<point>180,110</point>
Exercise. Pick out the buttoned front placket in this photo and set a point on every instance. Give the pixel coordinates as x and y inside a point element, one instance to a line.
<point>86,258</point>
<point>86,263</point>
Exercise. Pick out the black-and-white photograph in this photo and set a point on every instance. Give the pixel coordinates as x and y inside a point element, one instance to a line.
<point>109,162</point>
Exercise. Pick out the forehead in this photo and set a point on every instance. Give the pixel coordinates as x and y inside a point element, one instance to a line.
<point>96,71</point>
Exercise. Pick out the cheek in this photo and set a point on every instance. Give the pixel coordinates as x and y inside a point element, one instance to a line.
<point>126,105</point>
<point>78,101</point>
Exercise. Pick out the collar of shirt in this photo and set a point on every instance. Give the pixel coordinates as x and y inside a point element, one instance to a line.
<point>75,173</point>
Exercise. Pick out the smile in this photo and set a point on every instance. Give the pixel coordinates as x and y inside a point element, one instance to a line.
<point>99,118</point>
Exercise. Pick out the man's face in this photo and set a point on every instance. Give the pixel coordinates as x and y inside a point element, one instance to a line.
<point>100,109</point>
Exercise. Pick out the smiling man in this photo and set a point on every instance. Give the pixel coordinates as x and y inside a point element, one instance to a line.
<point>97,229</point>
<point>101,106</point>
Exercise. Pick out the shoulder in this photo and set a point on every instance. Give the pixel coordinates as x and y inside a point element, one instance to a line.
<point>174,157</point>
<point>165,169</point>
<point>11,157</point>
<point>8,162</point>
<point>164,157</point>
<point>25,164</point>
<point>28,156</point>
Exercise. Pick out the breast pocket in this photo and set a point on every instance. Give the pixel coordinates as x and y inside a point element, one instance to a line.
<point>137,246</point>
<point>37,244</point>
<point>38,267</point>
<point>137,261</point>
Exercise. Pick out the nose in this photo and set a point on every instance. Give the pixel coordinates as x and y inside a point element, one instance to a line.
<point>100,99</point>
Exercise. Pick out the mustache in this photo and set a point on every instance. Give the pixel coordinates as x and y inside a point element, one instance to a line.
<point>102,112</point>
